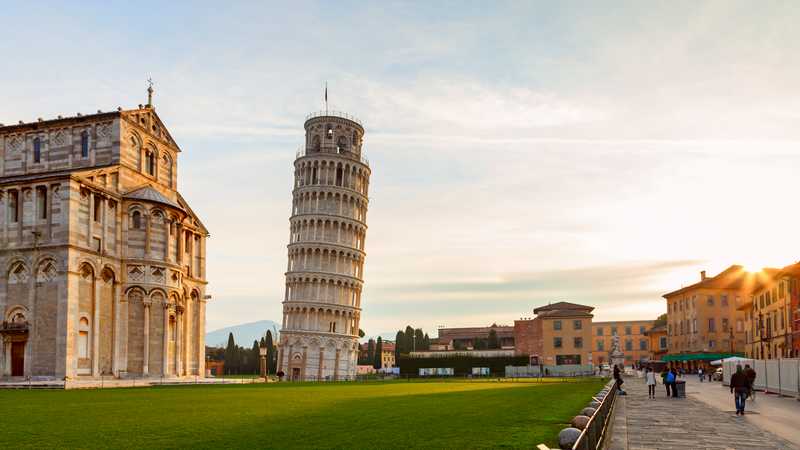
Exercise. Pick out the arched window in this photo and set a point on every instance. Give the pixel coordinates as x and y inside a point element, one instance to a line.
<point>150,163</point>
<point>84,144</point>
<point>37,150</point>
<point>341,144</point>
<point>315,143</point>
<point>136,218</point>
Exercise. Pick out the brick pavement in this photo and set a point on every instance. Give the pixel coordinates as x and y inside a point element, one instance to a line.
<point>685,423</point>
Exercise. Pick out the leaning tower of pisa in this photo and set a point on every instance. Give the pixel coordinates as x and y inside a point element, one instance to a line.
<point>324,277</point>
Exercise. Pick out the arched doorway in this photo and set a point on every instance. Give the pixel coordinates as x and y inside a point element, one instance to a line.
<point>15,330</point>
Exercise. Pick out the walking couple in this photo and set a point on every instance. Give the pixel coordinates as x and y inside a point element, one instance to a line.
<point>742,386</point>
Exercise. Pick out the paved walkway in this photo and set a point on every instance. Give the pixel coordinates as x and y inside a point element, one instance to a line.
<point>685,423</point>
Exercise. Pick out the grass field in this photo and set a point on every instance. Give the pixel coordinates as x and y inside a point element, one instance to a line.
<point>429,414</point>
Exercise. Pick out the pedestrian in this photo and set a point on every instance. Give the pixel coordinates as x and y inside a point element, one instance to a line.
<point>618,378</point>
<point>673,379</point>
<point>650,380</point>
<point>739,389</point>
<point>751,381</point>
<point>664,374</point>
<point>700,374</point>
<point>709,376</point>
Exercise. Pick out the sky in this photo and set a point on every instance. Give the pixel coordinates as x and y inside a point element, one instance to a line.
<point>522,152</point>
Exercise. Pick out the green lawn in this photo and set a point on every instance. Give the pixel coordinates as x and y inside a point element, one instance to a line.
<point>399,414</point>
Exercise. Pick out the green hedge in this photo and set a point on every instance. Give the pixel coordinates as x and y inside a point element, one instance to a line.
<point>462,365</point>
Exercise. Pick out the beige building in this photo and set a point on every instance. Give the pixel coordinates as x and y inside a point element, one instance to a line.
<point>772,318</point>
<point>633,340</point>
<point>325,273</point>
<point>103,261</point>
<point>560,334</point>
<point>702,319</point>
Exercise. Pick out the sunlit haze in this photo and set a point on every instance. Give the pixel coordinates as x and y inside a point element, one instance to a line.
<point>595,153</point>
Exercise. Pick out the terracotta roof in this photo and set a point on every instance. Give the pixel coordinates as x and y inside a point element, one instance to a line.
<point>561,306</point>
<point>734,277</point>
<point>148,194</point>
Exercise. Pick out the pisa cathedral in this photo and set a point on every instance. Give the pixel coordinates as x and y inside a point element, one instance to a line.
<point>102,261</point>
<point>324,278</point>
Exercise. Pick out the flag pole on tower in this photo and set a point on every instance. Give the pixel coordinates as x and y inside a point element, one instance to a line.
<point>326,98</point>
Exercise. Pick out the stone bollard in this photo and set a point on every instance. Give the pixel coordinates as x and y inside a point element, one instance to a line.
<point>580,422</point>
<point>588,411</point>
<point>568,437</point>
<point>594,404</point>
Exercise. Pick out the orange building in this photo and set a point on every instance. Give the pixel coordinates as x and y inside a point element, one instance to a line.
<point>560,334</point>
<point>633,340</point>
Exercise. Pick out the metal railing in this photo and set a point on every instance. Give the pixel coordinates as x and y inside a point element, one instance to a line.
<point>340,114</point>
<point>303,151</point>
<point>593,435</point>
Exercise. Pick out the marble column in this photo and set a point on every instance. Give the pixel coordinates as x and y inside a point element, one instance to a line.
<point>321,360</point>
<point>115,352</point>
<point>178,340</point>
<point>165,343</point>
<point>146,342</point>
<point>336,366</point>
<point>95,326</point>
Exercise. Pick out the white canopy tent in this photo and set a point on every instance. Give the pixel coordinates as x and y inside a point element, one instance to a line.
<point>718,362</point>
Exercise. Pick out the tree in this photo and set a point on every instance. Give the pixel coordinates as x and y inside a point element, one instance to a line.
<point>492,342</point>
<point>272,357</point>
<point>377,362</point>
<point>231,358</point>
<point>255,358</point>
<point>419,340</point>
<point>480,344</point>
<point>361,333</point>
<point>661,320</point>
<point>398,343</point>
<point>370,351</point>
<point>408,345</point>
<point>426,342</point>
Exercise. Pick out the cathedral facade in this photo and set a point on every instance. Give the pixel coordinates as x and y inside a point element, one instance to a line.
<point>325,272</point>
<point>102,261</point>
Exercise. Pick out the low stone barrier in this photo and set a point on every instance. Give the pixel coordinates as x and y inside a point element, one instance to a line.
<point>588,429</point>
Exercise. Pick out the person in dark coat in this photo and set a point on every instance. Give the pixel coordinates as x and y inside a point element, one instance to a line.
<point>740,389</point>
<point>617,377</point>
<point>751,380</point>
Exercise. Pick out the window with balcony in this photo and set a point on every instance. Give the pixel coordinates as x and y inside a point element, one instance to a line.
<point>723,300</point>
<point>627,331</point>
<point>711,327</point>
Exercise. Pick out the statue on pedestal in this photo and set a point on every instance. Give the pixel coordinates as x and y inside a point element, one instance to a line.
<point>616,356</point>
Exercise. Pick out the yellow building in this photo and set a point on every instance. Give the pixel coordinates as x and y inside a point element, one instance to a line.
<point>561,334</point>
<point>703,321</point>
<point>769,315</point>
<point>633,340</point>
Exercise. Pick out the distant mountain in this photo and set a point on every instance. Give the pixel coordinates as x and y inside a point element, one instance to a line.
<point>387,336</point>
<point>243,334</point>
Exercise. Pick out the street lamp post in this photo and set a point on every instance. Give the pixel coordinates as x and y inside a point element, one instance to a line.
<point>263,353</point>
